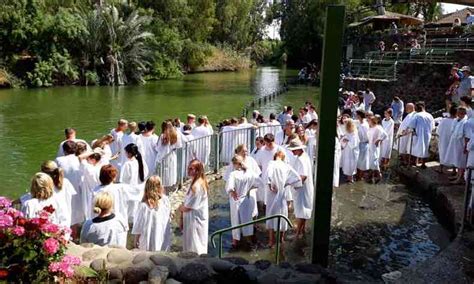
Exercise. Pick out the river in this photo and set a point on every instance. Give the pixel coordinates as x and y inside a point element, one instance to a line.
<point>32,121</point>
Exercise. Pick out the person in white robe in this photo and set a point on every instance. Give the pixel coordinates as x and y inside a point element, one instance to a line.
<point>131,138</point>
<point>422,124</point>
<point>189,149</point>
<point>312,112</point>
<point>228,135</point>
<point>166,157</point>
<point>466,102</point>
<point>444,131</point>
<point>386,147</point>
<point>398,107</point>
<point>362,132</point>
<point>404,140</point>
<point>311,134</point>
<point>117,145</point>
<point>202,134</point>
<point>239,185</point>
<point>63,193</point>
<point>149,140</point>
<point>108,228</point>
<point>152,222</point>
<point>102,145</point>
<point>279,177</point>
<point>350,150</point>
<point>263,158</point>
<point>90,170</point>
<point>259,144</point>
<point>303,199</point>
<point>195,211</point>
<point>376,135</point>
<point>122,193</point>
<point>70,136</point>
<point>41,196</point>
<point>457,153</point>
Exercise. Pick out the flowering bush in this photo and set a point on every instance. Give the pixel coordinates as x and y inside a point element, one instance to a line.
<point>32,250</point>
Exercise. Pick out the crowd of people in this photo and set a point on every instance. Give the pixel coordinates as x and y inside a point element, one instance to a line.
<point>109,188</point>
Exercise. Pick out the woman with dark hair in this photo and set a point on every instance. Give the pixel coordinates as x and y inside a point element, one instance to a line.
<point>149,139</point>
<point>134,170</point>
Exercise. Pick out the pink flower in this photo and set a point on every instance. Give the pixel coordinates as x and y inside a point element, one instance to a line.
<point>18,231</point>
<point>51,246</point>
<point>50,228</point>
<point>14,213</point>
<point>53,267</point>
<point>5,220</point>
<point>72,260</point>
<point>66,269</point>
<point>5,202</point>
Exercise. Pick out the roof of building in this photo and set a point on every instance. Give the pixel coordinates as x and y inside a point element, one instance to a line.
<point>389,16</point>
<point>460,14</point>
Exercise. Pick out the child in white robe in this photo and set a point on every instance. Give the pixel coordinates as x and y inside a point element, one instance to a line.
<point>444,131</point>
<point>152,222</point>
<point>195,211</point>
<point>387,144</point>
<point>107,228</point>
<point>166,158</point>
<point>240,183</point>
<point>376,135</point>
<point>279,177</point>
<point>41,196</point>
<point>303,198</point>
<point>63,193</point>
<point>350,150</point>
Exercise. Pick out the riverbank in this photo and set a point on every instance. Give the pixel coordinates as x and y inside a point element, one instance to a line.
<point>455,264</point>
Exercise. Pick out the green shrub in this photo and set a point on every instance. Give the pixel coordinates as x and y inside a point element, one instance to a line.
<point>57,70</point>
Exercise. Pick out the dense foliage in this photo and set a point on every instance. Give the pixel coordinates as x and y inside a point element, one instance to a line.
<point>114,42</point>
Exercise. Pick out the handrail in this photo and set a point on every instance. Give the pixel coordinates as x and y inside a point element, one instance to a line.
<point>279,216</point>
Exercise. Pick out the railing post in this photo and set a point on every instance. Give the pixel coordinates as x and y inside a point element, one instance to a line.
<point>277,260</point>
<point>370,65</point>
<point>466,198</point>
<point>220,246</point>
<point>217,157</point>
<point>253,136</point>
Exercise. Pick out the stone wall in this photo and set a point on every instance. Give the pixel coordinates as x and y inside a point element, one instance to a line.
<point>136,266</point>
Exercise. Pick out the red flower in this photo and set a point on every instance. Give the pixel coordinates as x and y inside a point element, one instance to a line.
<point>3,274</point>
<point>50,209</point>
<point>21,221</point>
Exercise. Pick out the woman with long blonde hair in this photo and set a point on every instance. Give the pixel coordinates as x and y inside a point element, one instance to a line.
<point>152,222</point>
<point>350,150</point>
<point>194,210</point>
<point>70,212</point>
<point>166,158</point>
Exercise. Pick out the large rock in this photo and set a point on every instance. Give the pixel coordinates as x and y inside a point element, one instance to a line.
<point>98,264</point>
<point>115,273</point>
<point>262,264</point>
<point>140,257</point>
<point>391,277</point>
<point>135,274</point>
<point>236,260</point>
<point>220,265</point>
<point>308,268</point>
<point>194,272</point>
<point>187,255</point>
<point>267,278</point>
<point>93,254</point>
<point>117,256</point>
<point>158,275</point>
<point>163,260</point>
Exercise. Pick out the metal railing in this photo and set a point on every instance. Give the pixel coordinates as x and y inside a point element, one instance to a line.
<point>373,69</point>
<point>467,216</point>
<point>451,43</point>
<point>426,55</point>
<point>278,216</point>
<point>257,102</point>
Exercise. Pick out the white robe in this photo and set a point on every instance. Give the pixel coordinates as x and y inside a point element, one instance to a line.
<point>337,161</point>
<point>64,197</point>
<point>149,152</point>
<point>403,143</point>
<point>122,194</point>
<point>196,221</point>
<point>153,226</point>
<point>242,210</point>
<point>89,181</point>
<point>32,206</point>
<point>127,139</point>
<point>109,232</point>
<point>304,195</point>
<point>228,135</point>
<point>423,124</point>
<point>167,161</point>
<point>444,131</point>
<point>263,158</point>
<point>117,148</point>
<point>350,154</point>
<point>279,175</point>
<point>363,159</point>
<point>203,135</point>
<point>71,166</point>
<point>387,144</point>
<point>130,172</point>
<point>455,155</point>
<point>60,152</point>
<point>375,133</point>
<point>311,144</point>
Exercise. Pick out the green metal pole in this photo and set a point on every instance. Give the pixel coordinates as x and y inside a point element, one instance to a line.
<point>331,70</point>
<point>277,260</point>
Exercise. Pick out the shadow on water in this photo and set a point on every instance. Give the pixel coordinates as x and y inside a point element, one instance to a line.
<point>375,229</point>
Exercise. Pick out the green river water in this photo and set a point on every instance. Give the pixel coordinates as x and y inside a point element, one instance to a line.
<point>32,120</point>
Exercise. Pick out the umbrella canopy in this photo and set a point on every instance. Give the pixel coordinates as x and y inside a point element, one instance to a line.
<point>390,17</point>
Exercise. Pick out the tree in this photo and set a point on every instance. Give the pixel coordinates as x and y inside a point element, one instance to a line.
<point>430,11</point>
